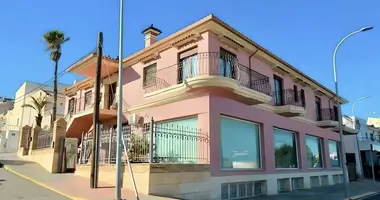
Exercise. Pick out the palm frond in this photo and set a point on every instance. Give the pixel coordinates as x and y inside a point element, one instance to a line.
<point>29,106</point>
<point>54,39</point>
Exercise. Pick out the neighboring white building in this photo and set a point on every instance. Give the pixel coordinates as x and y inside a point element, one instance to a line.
<point>5,105</point>
<point>21,116</point>
<point>351,141</point>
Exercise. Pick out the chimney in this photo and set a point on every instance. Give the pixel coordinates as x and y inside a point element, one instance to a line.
<point>150,35</point>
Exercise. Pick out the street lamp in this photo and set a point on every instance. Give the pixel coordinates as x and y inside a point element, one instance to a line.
<point>354,126</point>
<point>342,150</point>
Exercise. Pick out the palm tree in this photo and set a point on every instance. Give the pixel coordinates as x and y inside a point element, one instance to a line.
<point>37,105</point>
<point>54,40</point>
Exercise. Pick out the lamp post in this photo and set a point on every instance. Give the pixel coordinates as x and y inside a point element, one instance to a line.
<point>354,126</point>
<point>342,150</point>
<point>120,105</point>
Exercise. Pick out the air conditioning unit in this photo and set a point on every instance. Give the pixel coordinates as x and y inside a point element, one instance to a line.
<point>133,119</point>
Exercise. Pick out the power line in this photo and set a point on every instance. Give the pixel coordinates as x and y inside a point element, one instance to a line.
<point>60,74</point>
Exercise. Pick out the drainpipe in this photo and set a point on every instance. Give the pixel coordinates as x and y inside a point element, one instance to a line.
<point>249,65</point>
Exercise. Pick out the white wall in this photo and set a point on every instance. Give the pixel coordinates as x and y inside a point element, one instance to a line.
<point>351,144</point>
<point>26,116</point>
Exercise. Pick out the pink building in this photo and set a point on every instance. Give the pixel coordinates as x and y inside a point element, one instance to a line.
<point>269,127</point>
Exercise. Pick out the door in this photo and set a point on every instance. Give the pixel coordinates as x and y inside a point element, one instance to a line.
<point>112,94</point>
<point>228,64</point>
<point>318,111</point>
<point>278,91</point>
<point>336,114</point>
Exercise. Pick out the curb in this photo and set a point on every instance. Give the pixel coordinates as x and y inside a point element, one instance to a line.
<point>40,184</point>
<point>361,196</point>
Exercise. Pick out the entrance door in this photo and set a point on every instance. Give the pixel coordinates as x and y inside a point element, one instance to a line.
<point>278,92</point>
<point>351,166</point>
<point>112,92</point>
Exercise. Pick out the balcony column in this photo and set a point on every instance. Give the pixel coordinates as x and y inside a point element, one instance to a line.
<point>326,154</point>
<point>302,152</point>
<point>104,102</point>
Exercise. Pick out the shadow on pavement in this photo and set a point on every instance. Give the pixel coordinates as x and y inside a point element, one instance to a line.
<point>13,162</point>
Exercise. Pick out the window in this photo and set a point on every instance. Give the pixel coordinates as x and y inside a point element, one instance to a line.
<point>335,113</point>
<point>318,108</point>
<point>314,151</point>
<point>278,92</point>
<point>303,98</point>
<point>71,107</point>
<point>240,144</point>
<point>149,76</point>
<point>188,64</point>
<point>295,90</point>
<point>285,148</point>
<point>241,190</point>
<point>334,154</point>
<point>228,63</point>
<point>87,98</point>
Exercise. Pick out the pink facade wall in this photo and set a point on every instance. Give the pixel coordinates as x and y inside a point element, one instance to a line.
<point>222,106</point>
<point>209,108</point>
<point>166,65</point>
<point>79,96</point>
<point>265,69</point>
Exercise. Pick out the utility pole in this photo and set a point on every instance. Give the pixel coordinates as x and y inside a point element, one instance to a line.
<point>96,131</point>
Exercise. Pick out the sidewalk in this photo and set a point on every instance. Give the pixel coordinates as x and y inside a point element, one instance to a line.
<point>78,188</point>
<point>69,185</point>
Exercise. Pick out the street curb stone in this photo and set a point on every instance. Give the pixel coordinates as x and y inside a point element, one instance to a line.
<point>360,196</point>
<point>40,184</point>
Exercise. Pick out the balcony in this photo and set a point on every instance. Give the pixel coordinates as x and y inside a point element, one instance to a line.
<point>289,103</point>
<point>212,73</point>
<point>81,109</point>
<point>327,118</point>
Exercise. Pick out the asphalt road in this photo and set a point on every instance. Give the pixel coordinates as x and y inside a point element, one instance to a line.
<point>13,187</point>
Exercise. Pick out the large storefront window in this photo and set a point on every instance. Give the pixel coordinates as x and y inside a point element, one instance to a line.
<point>334,153</point>
<point>314,151</point>
<point>285,147</point>
<point>240,144</point>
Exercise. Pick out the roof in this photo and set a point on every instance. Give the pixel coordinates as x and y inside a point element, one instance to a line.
<point>89,57</point>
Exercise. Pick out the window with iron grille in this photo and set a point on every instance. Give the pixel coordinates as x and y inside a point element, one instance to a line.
<point>297,183</point>
<point>230,191</point>
<point>71,107</point>
<point>283,185</point>
<point>149,77</point>
<point>87,98</point>
<point>324,180</point>
<point>314,181</point>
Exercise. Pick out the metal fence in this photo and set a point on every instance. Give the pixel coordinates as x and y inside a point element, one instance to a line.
<point>44,139</point>
<point>150,143</point>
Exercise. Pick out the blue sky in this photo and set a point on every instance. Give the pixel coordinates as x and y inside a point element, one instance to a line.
<point>304,33</point>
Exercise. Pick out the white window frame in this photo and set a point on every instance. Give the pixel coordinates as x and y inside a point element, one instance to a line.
<point>259,141</point>
<point>338,152</point>
<point>297,153</point>
<point>322,151</point>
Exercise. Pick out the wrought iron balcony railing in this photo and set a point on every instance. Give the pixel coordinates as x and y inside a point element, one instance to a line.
<point>327,114</point>
<point>288,97</point>
<point>207,64</point>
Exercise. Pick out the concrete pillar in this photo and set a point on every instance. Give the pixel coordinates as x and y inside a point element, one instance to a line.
<point>59,133</point>
<point>34,138</point>
<point>22,150</point>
